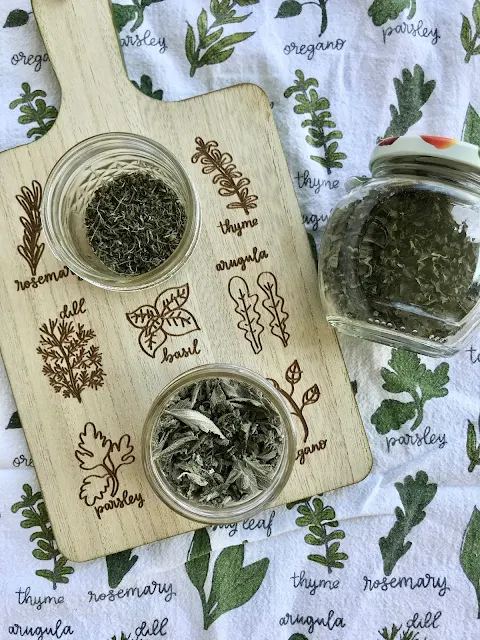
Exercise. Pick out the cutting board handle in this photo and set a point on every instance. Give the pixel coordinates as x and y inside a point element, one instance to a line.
<point>84,49</point>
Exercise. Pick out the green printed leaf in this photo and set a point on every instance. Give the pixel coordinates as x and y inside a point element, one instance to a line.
<point>146,87</point>
<point>471,127</point>
<point>298,636</point>
<point>392,415</point>
<point>289,9</point>
<point>476,15</point>
<point>247,3</point>
<point>214,53</point>
<point>432,383</point>
<point>34,109</point>
<point>16,18</point>
<point>118,565</point>
<point>198,560</point>
<point>123,14</point>
<point>14,422</point>
<point>473,451</point>
<point>470,553</point>
<point>381,11</point>
<point>190,45</point>
<point>415,494</point>
<point>202,27</point>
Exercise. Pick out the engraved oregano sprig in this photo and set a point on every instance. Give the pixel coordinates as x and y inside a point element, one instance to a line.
<point>31,250</point>
<point>225,174</point>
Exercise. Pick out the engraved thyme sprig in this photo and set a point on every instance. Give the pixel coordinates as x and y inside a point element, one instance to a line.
<point>31,250</point>
<point>226,174</point>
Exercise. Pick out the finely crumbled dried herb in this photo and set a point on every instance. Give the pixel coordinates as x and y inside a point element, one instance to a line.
<point>134,223</point>
<point>219,441</point>
<point>400,259</point>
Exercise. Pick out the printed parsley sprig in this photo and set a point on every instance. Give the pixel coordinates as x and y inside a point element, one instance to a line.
<point>381,11</point>
<point>209,40</point>
<point>310,103</point>
<point>408,375</point>
<point>125,13</point>
<point>468,36</point>
<point>35,516</point>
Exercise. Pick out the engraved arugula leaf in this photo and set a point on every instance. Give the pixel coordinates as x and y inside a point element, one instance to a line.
<point>246,308</point>
<point>93,448</point>
<point>274,304</point>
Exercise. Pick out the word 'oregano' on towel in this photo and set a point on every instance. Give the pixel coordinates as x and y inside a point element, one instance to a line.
<point>125,13</point>
<point>309,103</point>
<point>381,11</point>
<point>470,553</point>
<point>319,518</point>
<point>415,494</point>
<point>34,109</point>
<point>408,375</point>
<point>118,565</point>
<point>292,8</point>
<point>232,583</point>
<point>469,34</point>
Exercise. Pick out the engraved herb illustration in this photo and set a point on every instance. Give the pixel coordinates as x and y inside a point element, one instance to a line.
<point>36,517</point>
<point>470,554</point>
<point>412,93</point>
<point>473,450</point>
<point>246,307</point>
<point>293,375</point>
<point>408,375</point>
<point>118,565</point>
<point>34,109</point>
<point>233,584</point>
<point>31,249</point>
<point>166,317</point>
<point>309,103</point>
<point>292,8</point>
<point>274,304</point>
<point>319,518</point>
<point>98,454</point>
<point>226,175</point>
<point>415,494</point>
<point>470,33</point>
<point>71,363</point>
<point>207,46</point>
<point>381,11</point>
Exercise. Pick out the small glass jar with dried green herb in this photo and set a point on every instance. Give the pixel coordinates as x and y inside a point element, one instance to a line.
<point>219,444</point>
<point>399,261</point>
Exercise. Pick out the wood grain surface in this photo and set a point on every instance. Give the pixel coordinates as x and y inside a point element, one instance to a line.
<point>83,422</point>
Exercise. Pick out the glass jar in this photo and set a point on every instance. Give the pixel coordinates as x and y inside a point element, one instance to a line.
<point>399,259</point>
<point>74,180</point>
<point>234,511</point>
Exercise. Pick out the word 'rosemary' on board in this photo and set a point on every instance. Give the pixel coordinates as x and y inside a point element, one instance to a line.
<point>134,223</point>
<point>219,441</point>
<point>403,261</point>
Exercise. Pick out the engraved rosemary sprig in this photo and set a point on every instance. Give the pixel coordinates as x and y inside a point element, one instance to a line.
<point>31,250</point>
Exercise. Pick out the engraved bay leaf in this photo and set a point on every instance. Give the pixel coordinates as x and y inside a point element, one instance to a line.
<point>196,419</point>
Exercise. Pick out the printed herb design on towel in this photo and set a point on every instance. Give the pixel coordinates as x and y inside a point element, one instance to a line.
<point>298,636</point>
<point>381,11</point>
<point>408,375</point>
<point>17,18</point>
<point>470,554</point>
<point>122,637</point>
<point>168,316</point>
<point>31,249</point>
<point>412,93</point>
<point>394,634</point>
<point>208,46</point>
<point>14,422</point>
<point>225,174</point>
<point>233,584</point>
<point>146,87</point>
<point>470,33</point>
<point>34,109</point>
<point>118,565</point>
<point>71,363</point>
<point>293,375</point>
<point>292,8</point>
<point>36,517</point>
<point>319,519</point>
<point>125,13</point>
<point>309,103</point>
<point>101,456</point>
<point>246,307</point>
<point>471,126</point>
<point>415,494</point>
<point>473,450</point>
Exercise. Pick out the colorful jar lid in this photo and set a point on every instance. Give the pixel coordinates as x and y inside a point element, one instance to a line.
<point>427,146</point>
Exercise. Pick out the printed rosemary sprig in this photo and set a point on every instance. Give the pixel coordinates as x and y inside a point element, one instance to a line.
<point>209,37</point>
<point>310,103</point>
<point>317,518</point>
<point>34,109</point>
<point>381,11</point>
<point>292,8</point>
<point>35,516</point>
<point>31,251</point>
<point>146,87</point>
<point>469,35</point>
<point>473,451</point>
<point>125,13</point>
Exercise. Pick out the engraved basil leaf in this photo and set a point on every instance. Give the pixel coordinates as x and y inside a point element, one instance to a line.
<point>198,560</point>
<point>195,419</point>
<point>152,337</point>
<point>470,553</point>
<point>141,316</point>
<point>179,323</point>
<point>216,52</point>
<point>16,18</point>
<point>289,9</point>
<point>172,299</point>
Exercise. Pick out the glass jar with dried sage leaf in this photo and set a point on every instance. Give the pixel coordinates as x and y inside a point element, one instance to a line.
<point>399,261</point>
<point>218,444</point>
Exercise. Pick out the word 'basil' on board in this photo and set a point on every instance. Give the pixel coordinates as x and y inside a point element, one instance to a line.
<point>233,584</point>
<point>415,494</point>
<point>407,374</point>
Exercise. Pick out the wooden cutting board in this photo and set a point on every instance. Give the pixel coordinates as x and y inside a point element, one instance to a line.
<point>98,404</point>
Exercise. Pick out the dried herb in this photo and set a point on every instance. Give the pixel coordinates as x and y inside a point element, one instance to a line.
<point>134,223</point>
<point>401,260</point>
<point>219,441</point>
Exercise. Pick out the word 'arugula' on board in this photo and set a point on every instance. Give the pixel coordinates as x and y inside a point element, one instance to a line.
<point>470,553</point>
<point>415,494</point>
<point>408,375</point>
<point>320,119</point>
<point>125,13</point>
<point>209,40</point>
<point>292,8</point>
<point>317,518</point>
<point>412,93</point>
<point>146,87</point>
<point>35,516</point>
<point>34,109</point>
<point>233,584</point>
<point>469,35</point>
<point>381,11</point>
